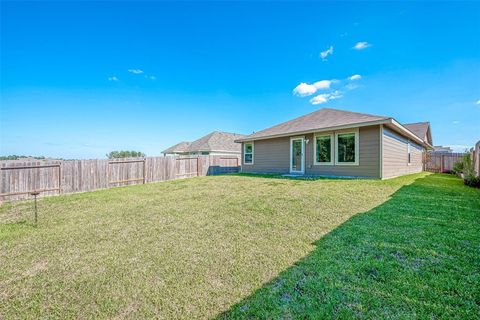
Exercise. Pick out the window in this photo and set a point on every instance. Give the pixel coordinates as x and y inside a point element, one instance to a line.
<point>323,149</point>
<point>248,153</point>
<point>409,153</point>
<point>205,153</point>
<point>347,148</point>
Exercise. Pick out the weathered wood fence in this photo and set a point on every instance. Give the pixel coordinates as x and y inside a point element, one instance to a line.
<point>20,178</point>
<point>441,162</point>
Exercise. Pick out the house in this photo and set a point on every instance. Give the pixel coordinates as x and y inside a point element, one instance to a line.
<point>215,143</point>
<point>442,150</point>
<point>330,142</point>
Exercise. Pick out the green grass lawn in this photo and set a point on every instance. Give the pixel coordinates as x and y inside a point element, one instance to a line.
<point>247,247</point>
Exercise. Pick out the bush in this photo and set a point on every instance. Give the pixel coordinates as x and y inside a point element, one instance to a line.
<point>472,181</point>
<point>458,167</point>
<point>466,165</point>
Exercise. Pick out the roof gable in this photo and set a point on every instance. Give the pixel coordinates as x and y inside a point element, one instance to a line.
<point>421,130</point>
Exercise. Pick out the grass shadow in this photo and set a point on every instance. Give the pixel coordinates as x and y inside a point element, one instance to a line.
<point>297,178</point>
<point>415,256</point>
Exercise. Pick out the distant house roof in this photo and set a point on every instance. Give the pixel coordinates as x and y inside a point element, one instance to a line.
<point>442,149</point>
<point>216,141</point>
<point>421,130</point>
<point>178,148</point>
<point>329,119</point>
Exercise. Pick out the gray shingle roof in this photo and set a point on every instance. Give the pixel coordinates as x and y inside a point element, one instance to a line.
<point>420,129</point>
<point>317,120</point>
<point>215,141</point>
<point>179,147</point>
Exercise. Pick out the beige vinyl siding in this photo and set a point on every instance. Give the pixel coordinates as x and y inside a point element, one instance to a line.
<point>369,157</point>
<point>273,156</point>
<point>269,156</point>
<point>395,155</point>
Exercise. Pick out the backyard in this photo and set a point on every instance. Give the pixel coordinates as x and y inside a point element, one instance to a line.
<point>239,246</point>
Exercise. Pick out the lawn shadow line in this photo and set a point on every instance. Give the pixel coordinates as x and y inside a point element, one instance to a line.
<point>387,262</point>
<point>294,178</point>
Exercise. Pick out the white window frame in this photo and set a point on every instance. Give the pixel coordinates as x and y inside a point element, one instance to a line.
<point>332,148</point>
<point>253,153</point>
<point>357,147</point>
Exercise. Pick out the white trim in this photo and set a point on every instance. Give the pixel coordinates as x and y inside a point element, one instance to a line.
<point>381,152</point>
<point>332,147</point>
<point>357,149</point>
<point>302,164</point>
<point>253,152</point>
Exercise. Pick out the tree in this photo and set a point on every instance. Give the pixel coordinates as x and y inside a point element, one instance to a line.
<point>125,154</point>
<point>16,157</point>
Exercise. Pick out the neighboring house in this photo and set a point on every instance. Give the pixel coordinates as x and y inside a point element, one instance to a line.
<point>331,142</point>
<point>215,143</point>
<point>442,150</point>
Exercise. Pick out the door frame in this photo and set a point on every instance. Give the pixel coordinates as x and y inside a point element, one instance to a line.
<point>302,165</point>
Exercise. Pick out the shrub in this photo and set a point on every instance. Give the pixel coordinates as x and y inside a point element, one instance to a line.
<point>472,181</point>
<point>468,171</point>
<point>458,167</point>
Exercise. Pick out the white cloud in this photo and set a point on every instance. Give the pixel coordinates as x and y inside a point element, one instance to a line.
<point>321,98</point>
<point>305,89</point>
<point>456,122</point>
<point>324,97</point>
<point>151,77</point>
<point>478,101</point>
<point>322,84</point>
<point>355,77</point>
<point>135,71</point>
<point>361,45</point>
<point>326,53</point>
<point>112,78</point>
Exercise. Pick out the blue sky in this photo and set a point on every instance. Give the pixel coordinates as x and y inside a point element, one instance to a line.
<point>80,79</point>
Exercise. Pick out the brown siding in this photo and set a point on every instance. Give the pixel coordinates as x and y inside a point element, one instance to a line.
<point>395,155</point>
<point>273,156</point>
<point>269,156</point>
<point>369,153</point>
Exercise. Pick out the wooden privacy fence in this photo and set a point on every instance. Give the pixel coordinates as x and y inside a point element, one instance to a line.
<point>20,178</point>
<point>441,162</point>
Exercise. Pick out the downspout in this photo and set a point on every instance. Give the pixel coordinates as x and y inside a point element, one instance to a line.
<point>381,152</point>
